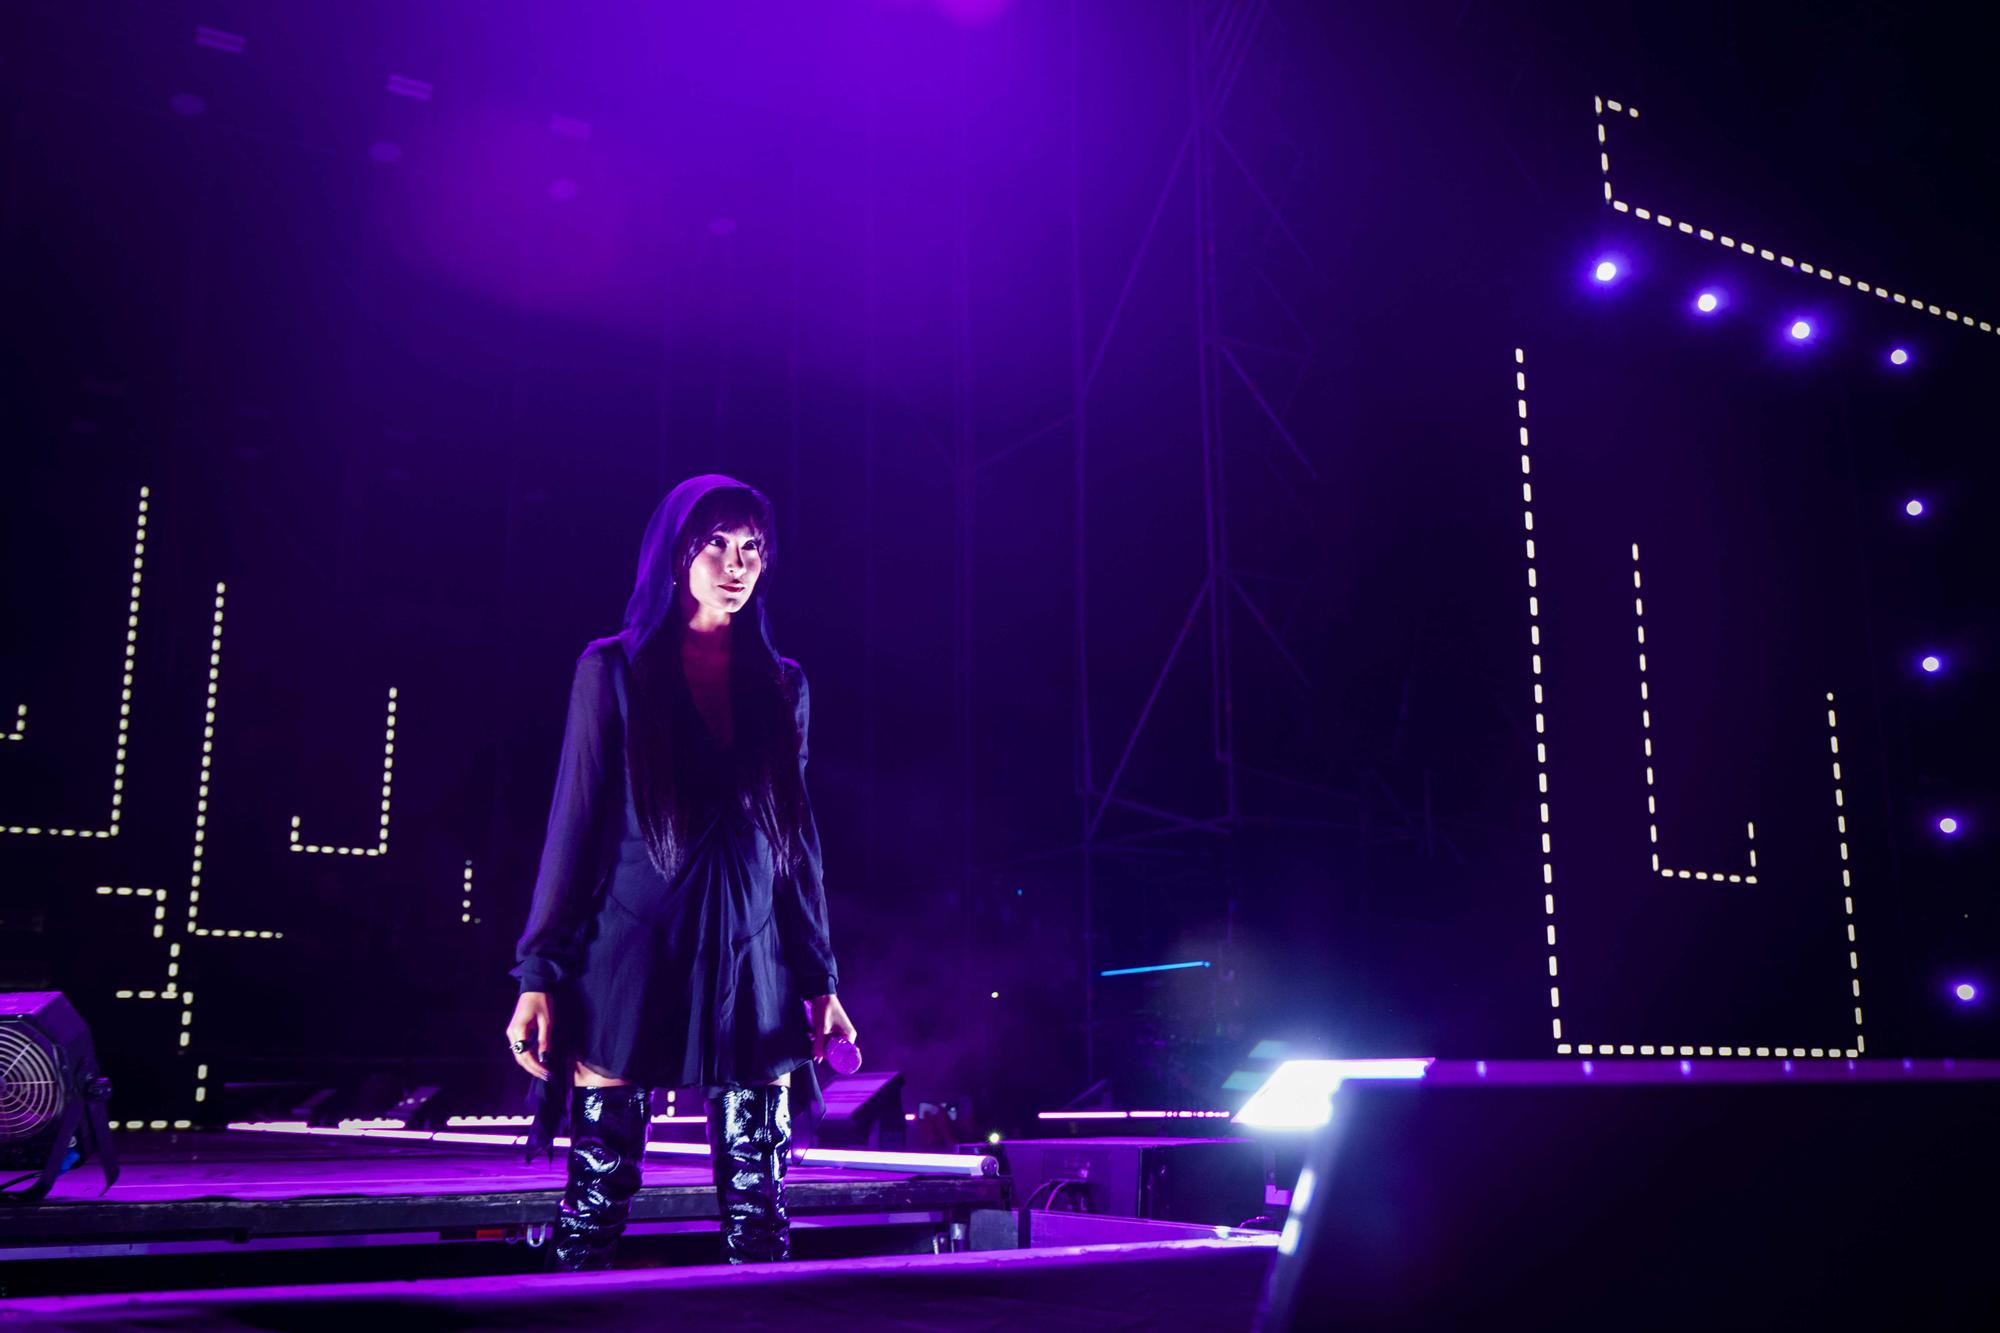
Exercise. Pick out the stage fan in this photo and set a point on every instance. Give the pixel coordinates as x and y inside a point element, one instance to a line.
<point>52,1098</point>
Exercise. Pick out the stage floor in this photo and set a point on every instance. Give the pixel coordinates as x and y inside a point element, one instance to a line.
<point>1211,1285</point>
<point>236,1188</point>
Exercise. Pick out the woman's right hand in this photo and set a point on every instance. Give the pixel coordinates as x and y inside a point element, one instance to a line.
<point>531,1024</point>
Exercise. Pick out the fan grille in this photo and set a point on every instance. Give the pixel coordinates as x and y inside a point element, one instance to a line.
<point>30,1084</point>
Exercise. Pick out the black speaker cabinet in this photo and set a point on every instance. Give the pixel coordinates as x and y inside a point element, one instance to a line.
<point>1744,1205</point>
<point>1215,1181</point>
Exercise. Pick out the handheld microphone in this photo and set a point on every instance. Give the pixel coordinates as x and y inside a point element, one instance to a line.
<point>843,1055</point>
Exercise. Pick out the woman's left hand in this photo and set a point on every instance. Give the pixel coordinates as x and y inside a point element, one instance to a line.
<point>828,1020</point>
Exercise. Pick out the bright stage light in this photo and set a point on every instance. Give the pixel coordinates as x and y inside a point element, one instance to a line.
<point>1708,303</point>
<point>1947,825</point>
<point>1914,508</point>
<point>1801,330</point>
<point>1299,1093</point>
<point>1932,663</point>
<point>1899,357</point>
<point>1606,270</point>
<point>1965,991</point>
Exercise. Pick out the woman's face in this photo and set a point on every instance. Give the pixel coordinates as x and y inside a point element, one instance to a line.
<point>725,570</point>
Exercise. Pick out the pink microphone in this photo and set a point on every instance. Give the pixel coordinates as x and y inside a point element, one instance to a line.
<point>843,1055</point>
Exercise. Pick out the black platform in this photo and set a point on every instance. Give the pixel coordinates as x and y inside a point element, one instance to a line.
<point>195,1194</point>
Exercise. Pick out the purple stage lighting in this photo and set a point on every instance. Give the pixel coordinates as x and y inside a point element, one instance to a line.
<point>1932,663</point>
<point>187,104</point>
<point>1801,330</point>
<point>1606,270</point>
<point>1899,357</point>
<point>385,152</point>
<point>1708,303</point>
<point>1914,508</point>
<point>562,190</point>
<point>1965,991</point>
<point>1947,825</point>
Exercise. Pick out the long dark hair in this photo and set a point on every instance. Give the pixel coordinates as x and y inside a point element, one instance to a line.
<point>763,761</point>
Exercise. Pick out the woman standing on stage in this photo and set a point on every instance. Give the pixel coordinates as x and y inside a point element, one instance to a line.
<point>678,933</point>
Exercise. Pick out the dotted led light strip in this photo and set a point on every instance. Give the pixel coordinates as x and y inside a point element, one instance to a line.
<point>194,926</point>
<point>1535,660</point>
<point>381,847</point>
<point>1728,242</point>
<point>124,700</point>
<point>158,897</point>
<point>1646,725</point>
<point>151,1124</point>
<point>1846,874</point>
<point>465,903</point>
<point>1542,783</point>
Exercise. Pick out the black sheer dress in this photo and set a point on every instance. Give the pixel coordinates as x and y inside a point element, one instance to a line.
<point>697,981</point>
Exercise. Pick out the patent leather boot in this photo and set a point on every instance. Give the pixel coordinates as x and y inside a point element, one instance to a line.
<point>608,1128</point>
<point>749,1144</point>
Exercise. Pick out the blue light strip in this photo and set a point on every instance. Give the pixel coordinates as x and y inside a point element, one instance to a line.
<point>1157,967</point>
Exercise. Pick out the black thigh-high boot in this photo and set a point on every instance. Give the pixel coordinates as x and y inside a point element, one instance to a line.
<point>608,1128</point>
<point>749,1145</point>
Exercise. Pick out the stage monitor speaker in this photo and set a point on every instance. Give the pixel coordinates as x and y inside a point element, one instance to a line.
<point>862,1111</point>
<point>52,1097</point>
<point>1218,1182</point>
<point>1740,1205</point>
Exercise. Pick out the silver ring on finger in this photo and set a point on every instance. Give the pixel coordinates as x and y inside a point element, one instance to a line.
<point>518,1047</point>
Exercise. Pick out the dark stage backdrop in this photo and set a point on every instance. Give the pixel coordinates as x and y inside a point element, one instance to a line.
<point>1142,391</point>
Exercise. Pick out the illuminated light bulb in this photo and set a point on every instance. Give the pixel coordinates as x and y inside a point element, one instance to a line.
<point>1606,270</point>
<point>1965,991</point>
<point>1801,330</point>
<point>1932,663</point>
<point>1947,825</point>
<point>1914,508</point>
<point>1708,303</point>
<point>1899,357</point>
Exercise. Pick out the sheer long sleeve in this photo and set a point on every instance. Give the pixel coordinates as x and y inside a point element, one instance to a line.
<point>801,897</point>
<point>589,797</point>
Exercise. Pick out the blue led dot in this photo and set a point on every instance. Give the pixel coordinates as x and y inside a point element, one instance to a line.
<point>1899,357</point>
<point>1707,303</point>
<point>1932,663</point>
<point>1965,991</point>
<point>1801,330</point>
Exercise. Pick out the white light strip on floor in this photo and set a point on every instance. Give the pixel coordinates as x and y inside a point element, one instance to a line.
<point>1134,1115</point>
<point>920,1163</point>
